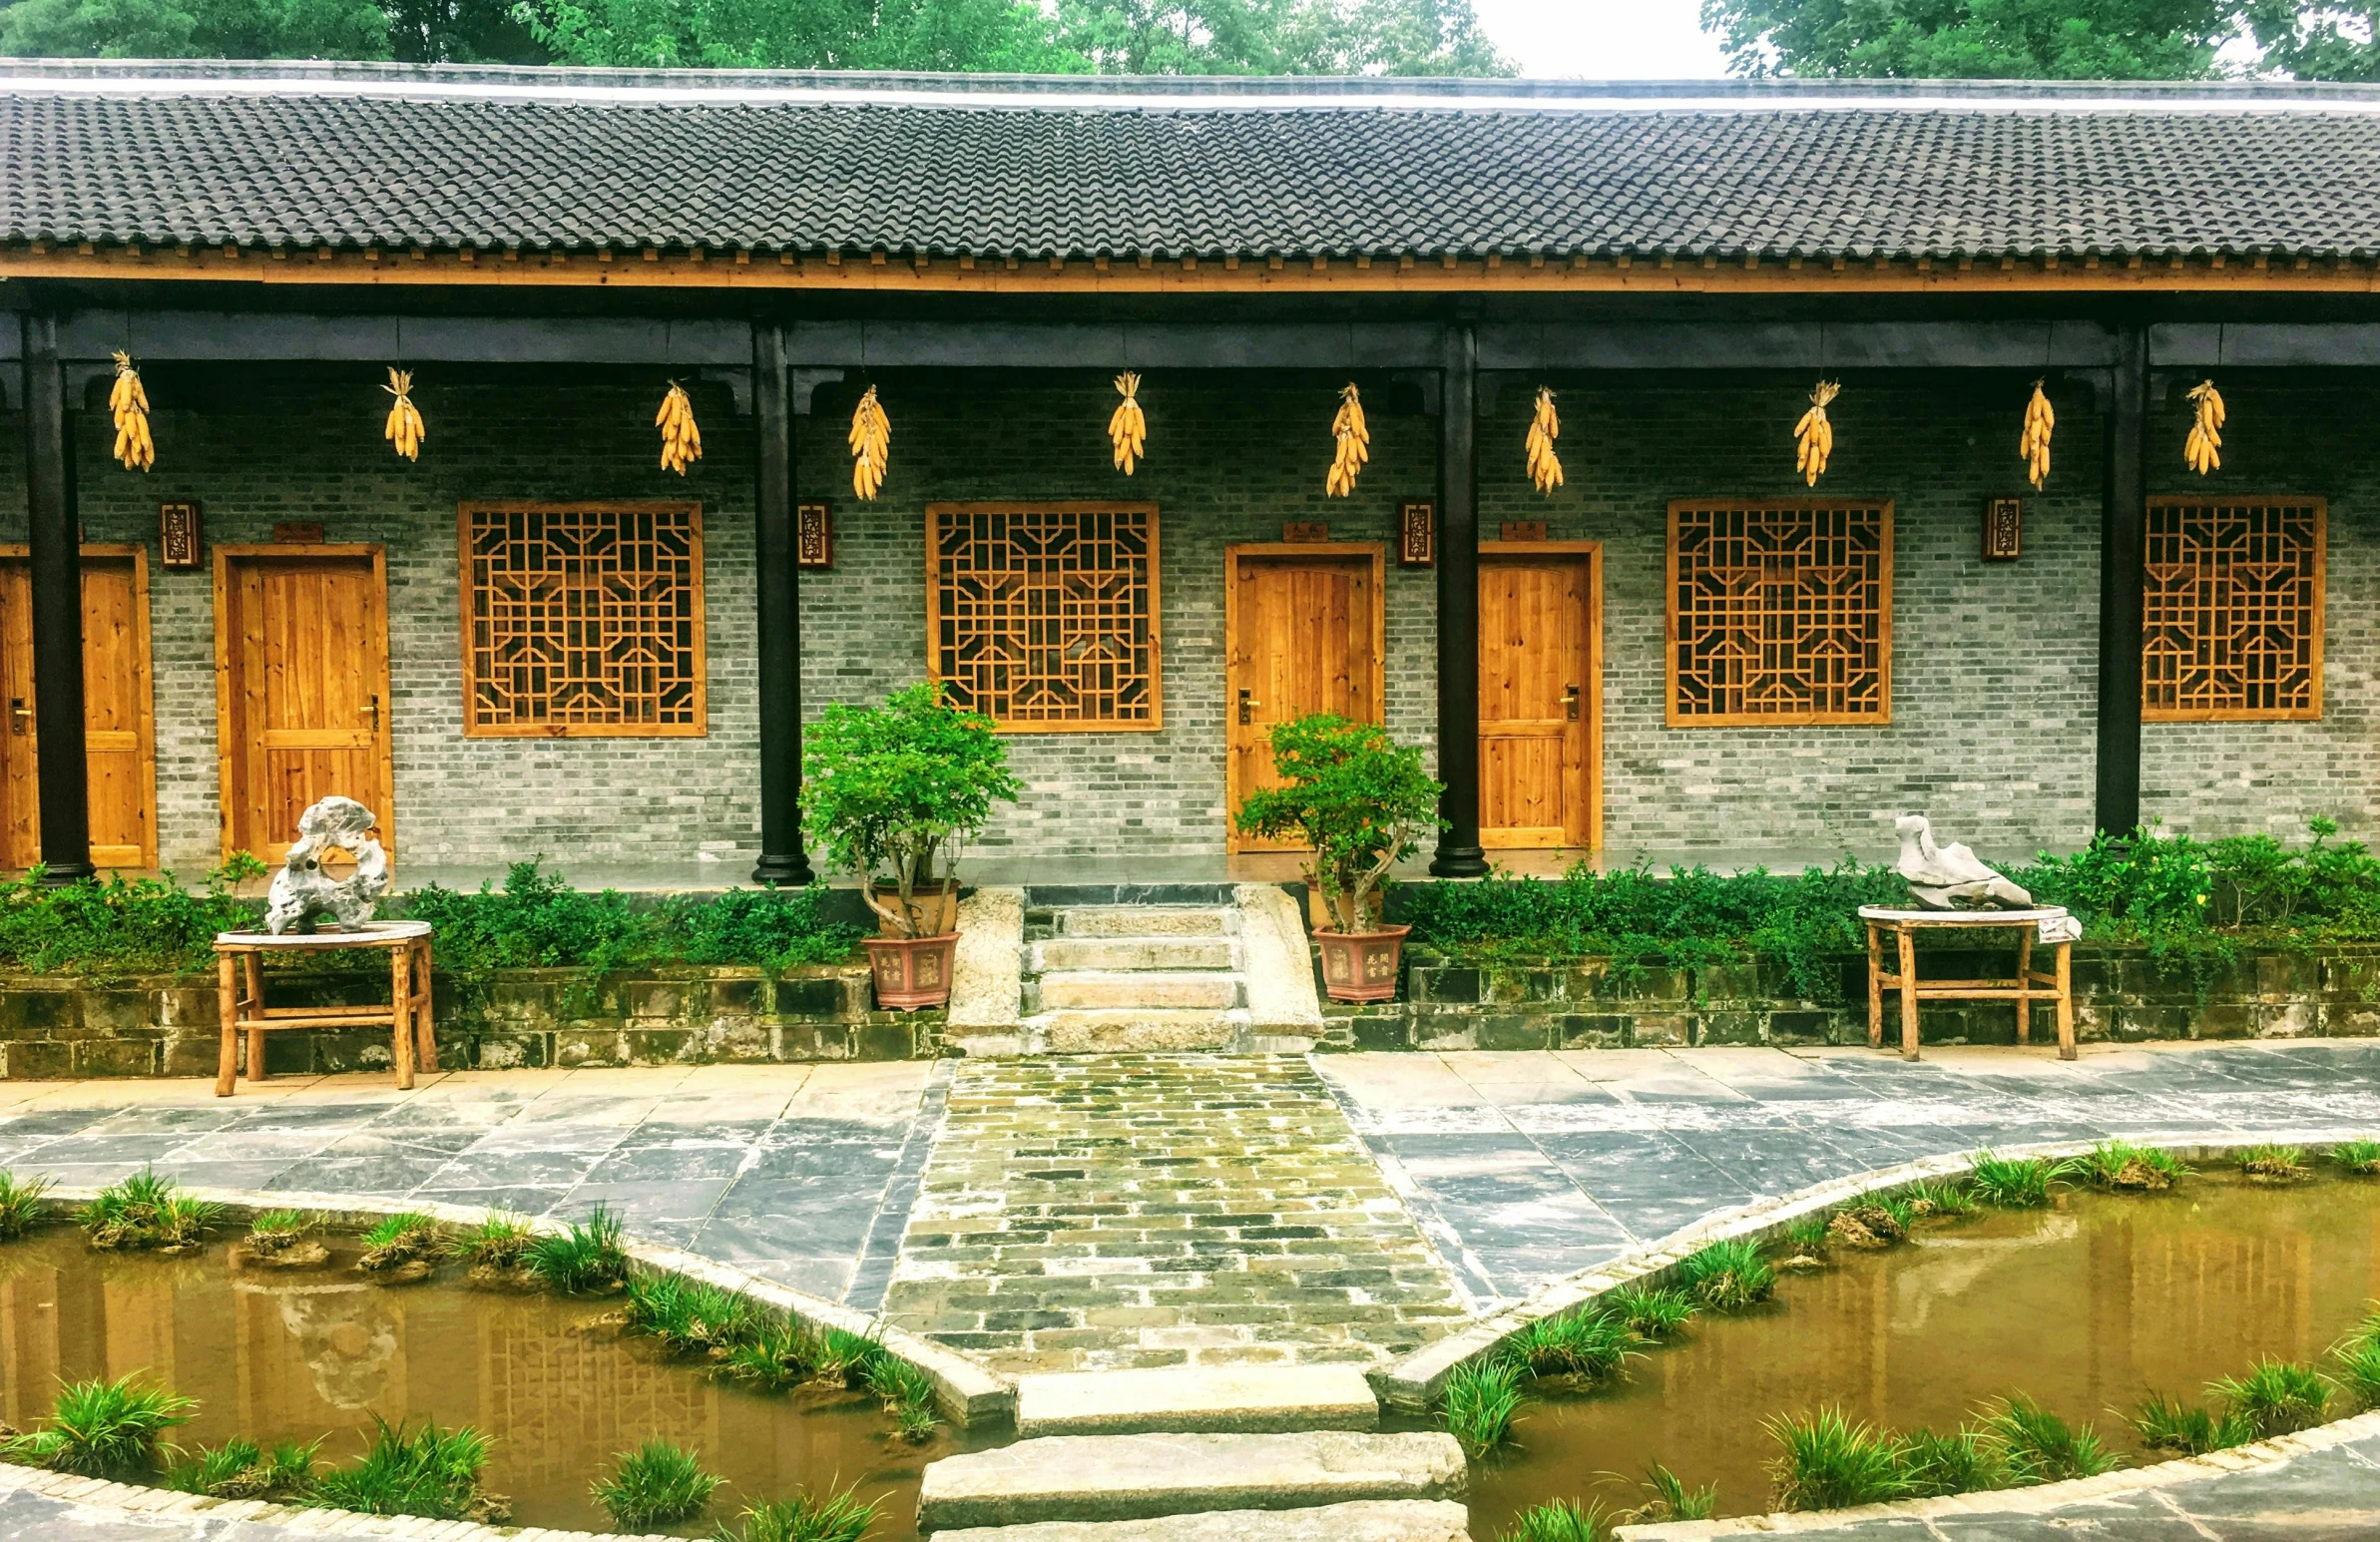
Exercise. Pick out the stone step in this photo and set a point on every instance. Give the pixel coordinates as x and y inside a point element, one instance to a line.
<point>1195,1399</point>
<point>1119,1030</point>
<point>1163,990</point>
<point>1364,1520</point>
<point>1133,953</point>
<point>1134,1477</point>
<point>1147,921</point>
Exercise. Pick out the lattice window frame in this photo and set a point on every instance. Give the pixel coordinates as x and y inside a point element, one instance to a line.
<point>2159,600</point>
<point>695,710</point>
<point>939,663</point>
<point>1876,610</point>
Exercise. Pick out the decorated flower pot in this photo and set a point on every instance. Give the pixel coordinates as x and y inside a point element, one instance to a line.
<point>1361,965</point>
<point>912,972</point>
<point>937,913</point>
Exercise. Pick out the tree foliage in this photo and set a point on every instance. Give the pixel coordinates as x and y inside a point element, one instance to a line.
<point>1358,798</point>
<point>1975,39</point>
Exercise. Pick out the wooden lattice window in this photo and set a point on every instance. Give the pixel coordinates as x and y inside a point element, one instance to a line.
<point>1780,611</point>
<point>582,619</point>
<point>1043,617</point>
<point>2232,610</point>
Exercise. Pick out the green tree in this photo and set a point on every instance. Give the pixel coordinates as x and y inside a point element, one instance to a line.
<point>2322,42</point>
<point>195,29</point>
<point>1976,39</point>
<point>799,34</point>
<point>1279,37</point>
<point>461,32</point>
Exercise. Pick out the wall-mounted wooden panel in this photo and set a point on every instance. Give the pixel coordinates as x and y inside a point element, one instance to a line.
<point>2232,610</point>
<point>1780,611</point>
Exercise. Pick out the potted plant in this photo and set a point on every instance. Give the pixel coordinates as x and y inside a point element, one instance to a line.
<point>897,790</point>
<point>1363,803</point>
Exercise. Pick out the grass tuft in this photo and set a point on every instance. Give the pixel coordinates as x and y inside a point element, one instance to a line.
<point>1728,1276</point>
<point>2164,1424</point>
<point>1672,1502</point>
<point>1828,1461</point>
<point>1563,1520</point>
<point>397,1241</point>
<point>779,1356</point>
<point>2278,1397</point>
<point>2018,1182</point>
<point>499,1241</point>
<point>1941,1197</point>
<point>2037,1446</point>
<point>2358,1360</point>
<point>240,1470</point>
<point>906,1393</point>
<point>1808,1235</point>
<point>277,1228</point>
<point>1653,1316</point>
<point>431,1472</point>
<point>2271,1164</point>
<point>144,1211</point>
<point>1482,1402</point>
<point>1960,1462</point>
<point>1590,1345</point>
<point>2123,1164</point>
<point>102,1429</point>
<point>2362,1158</point>
<point>806,1517</point>
<point>20,1205</point>
<point>657,1484</point>
<point>585,1261</point>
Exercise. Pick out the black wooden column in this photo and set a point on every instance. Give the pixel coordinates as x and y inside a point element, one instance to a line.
<point>55,565</point>
<point>2122,565</point>
<point>782,860</point>
<point>1459,855</point>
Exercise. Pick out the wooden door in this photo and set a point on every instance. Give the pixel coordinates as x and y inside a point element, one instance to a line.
<point>1303,625</point>
<point>301,688</point>
<point>118,727</point>
<point>1540,697</point>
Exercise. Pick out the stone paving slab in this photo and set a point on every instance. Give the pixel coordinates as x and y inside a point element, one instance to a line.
<point>1107,1211</point>
<point>1195,1399</point>
<point>1364,1520</point>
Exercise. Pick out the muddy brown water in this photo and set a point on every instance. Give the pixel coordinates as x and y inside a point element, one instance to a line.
<point>2086,1306</point>
<point>276,1355</point>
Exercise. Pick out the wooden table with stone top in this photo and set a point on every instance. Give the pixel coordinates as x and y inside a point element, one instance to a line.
<point>239,995</point>
<point>2049,922</point>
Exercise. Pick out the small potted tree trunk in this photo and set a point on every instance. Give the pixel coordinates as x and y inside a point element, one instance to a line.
<point>893,794</point>
<point>1362,803</point>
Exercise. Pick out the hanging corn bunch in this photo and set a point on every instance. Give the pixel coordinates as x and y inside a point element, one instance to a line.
<point>2207,438</point>
<point>1815,435</point>
<point>871,441</point>
<point>2032,446</point>
<point>1355,444</point>
<point>129,404</point>
<point>1545,467</point>
<point>1128,427</point>
<point>682,441</point>
<point>404,427</point>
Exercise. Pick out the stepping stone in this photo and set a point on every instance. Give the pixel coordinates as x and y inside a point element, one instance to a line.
<point>1134,1477</point>
<point>1368,1520</point>
<point>1197,1400</point>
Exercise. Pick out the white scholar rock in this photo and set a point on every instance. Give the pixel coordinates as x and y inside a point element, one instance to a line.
<point>301,888</point>
<point>1951,877</point>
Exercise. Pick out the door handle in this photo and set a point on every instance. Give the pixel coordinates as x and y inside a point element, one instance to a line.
<point>1247,708</point>
<point>1569,703</point>
<point>372,706</point>
<point>20,716</point>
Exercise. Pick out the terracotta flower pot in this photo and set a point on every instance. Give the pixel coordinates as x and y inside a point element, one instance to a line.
<point>938,912</point>
<point>1361,965</point>
<point>912,972</point>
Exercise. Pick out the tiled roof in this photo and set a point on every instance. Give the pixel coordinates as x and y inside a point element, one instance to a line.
<point>353,157</point>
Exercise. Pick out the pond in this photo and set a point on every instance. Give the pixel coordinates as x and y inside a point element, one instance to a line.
<point>2086,1306</point>
<point>288,1356</point>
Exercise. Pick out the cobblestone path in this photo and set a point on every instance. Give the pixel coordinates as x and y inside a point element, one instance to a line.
<point>1084,1213</point>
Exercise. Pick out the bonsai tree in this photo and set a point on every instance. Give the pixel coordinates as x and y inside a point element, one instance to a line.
<point>1359,798</point>
<point>901,787</point>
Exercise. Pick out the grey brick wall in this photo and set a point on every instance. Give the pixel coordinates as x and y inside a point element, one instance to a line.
<point>1994,665</point>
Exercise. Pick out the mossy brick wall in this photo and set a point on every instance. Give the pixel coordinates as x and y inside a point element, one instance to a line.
<point>1994,663</point>
<point>2121,995</point>
<point>167,1025</point>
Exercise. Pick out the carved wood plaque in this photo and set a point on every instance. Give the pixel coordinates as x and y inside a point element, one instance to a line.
<point>1417,534</point>
<point>178,536</point>
<point>2004,528</point>
<point>297,532</point>
<point>1521,530</point>
<point>1298,530</point>
<point>813,536</point>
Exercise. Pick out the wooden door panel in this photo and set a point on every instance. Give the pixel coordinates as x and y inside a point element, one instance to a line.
<point>1539,719</point>
<point>303,651</point>
<point>118,725</point>
<point>1304,638</point>
<point>20,795</point>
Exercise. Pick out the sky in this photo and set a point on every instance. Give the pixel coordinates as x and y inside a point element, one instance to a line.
<point>1604,39</point>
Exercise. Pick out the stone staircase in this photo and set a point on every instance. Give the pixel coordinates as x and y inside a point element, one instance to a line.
<point>1110,978</point>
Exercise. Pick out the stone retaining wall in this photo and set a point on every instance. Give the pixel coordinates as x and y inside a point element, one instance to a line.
<point>2120,994</point>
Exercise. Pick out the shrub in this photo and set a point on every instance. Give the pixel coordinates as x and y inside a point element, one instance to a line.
<point>103,1429</point>
<point>2033,1445</point>
<point>901,788</point>
<point>2122,1165</point>
<point>771,927</point>
<point>240,1470</point>
<point>1652,1316</point>
<point>2271,1164</point>
<point>1728,1276</point>
<point>1563,1520</point>
<point>2167,1425</point>
<point>2362,1158</point>
<point>804,1518</point>
<point>657,1484</point>
<point>1355,797</point>
<point>1589,1344</point>
<point>144,1211</point>
<point>20,1205</point>
<point>584,1260</point>
<point>121,926</point>
<point>1481,1402</point>
<point>2020,1183</point>
<point>2278,1397</point>
<point>430,1472</point>
<point>1828,1461</point>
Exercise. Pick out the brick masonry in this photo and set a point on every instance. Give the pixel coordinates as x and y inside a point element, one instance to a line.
<point>1994,665</point>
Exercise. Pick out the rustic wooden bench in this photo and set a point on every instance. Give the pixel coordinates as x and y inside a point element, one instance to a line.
<point>240,996</point>
<point>2024,989</point>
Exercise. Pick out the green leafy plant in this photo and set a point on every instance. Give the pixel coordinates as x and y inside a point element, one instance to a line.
<point>2277,1397</point>
<point>1728,1276</point>
<point>2362,1158</point>
<point>1652,1314</point>
<point>2271,1164</point>
<point>1941,1197</point>
<point>103,1429</point>
<point>20,1205</point>
<point>1359,799</point>
<point>2169,1426</point>
<point>779,1356</point>
<point>393,1241</point>
<point>1672,1502</point>
<point>2035,1445</point>
<point>1960,1463</point>
<point>2016,1183</point>
<point>1562,1520</point>
<point>906,1393</point>
<point>144,1210</point>
<point>1589,1344</point>
<point>1807,1235</point>
<point>771,927</point>
<point>2122,1165</point>
<point>1481,1401</point>
<point>845,1356</point>
<point>241,1469</point>
<point>122,926</point>
<point>430,1471</point>
<point>585,1259</point>
<point>499,1241</point>
<point>2358,1360</point>
<point>657,1484</point>
<point>689,1315</point>
<point>900,789</point>
<point>806,1517</point>
<point>1826,1461</point>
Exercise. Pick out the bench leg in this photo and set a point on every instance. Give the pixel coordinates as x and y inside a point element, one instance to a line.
<point>1875,990</point>
<point>253,970</point>
<point>2025,986</point>
<point>226,1007</point>
<point>400,1013</point>
<point>425,1031</point>
<point>1908,994</point>
<point>2066,1002</point>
